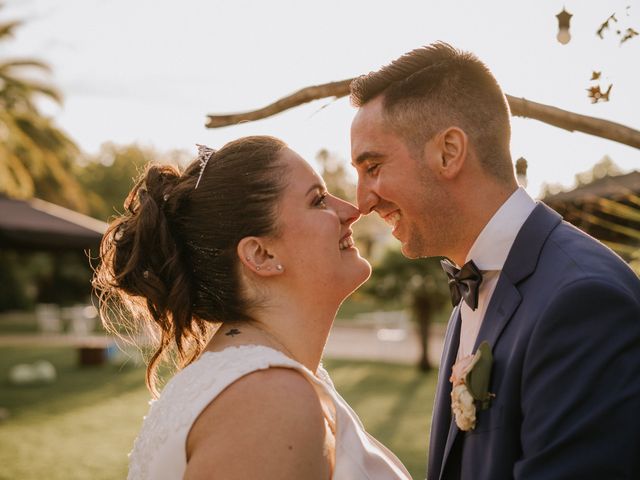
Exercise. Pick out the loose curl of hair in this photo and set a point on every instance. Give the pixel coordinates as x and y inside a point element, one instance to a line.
<point>170,264</point>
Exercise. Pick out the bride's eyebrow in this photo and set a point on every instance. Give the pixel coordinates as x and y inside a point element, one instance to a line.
<point>316,186</point>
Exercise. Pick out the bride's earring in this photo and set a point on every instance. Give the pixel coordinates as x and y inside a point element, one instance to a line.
<point>279,267</point>
<point>257,267</point>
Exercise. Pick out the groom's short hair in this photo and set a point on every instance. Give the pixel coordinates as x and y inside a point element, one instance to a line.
<point>435,87</point>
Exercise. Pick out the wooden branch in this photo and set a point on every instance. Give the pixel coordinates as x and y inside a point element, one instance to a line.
<point>520,107</point>
<point>308,94</point>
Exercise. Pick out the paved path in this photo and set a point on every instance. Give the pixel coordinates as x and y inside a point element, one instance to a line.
<point>57,340</point>
<point>389,343</point>
<point>401,345</point>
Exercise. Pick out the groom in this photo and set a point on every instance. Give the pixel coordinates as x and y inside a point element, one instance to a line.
<point>559,311</point>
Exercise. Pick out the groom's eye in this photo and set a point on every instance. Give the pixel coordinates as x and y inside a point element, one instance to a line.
<point>372,168</point>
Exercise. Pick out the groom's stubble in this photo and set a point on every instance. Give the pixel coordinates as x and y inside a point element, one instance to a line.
<point>434,233</point>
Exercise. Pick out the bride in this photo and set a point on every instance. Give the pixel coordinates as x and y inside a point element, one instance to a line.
<point>246,243</point>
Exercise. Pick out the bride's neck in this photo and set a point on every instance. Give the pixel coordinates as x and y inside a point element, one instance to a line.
<point>301,327</point>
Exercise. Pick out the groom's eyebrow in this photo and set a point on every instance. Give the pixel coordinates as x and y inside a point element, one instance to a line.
<point>364,156</point>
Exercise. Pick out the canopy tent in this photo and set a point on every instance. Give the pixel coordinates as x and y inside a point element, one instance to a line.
<point>607,208</point>
<point>38,225</point>
<point>617,187</point>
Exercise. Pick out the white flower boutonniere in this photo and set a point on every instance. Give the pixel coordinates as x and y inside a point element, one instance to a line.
<point>470,379</point>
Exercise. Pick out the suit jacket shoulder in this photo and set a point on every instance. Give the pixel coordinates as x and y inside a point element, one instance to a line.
<point>576,256</point>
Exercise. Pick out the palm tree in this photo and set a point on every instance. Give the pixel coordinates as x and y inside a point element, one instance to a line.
<point>36,157</point>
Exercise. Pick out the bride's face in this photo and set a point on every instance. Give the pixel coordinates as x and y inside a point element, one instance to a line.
<point>315,245</point>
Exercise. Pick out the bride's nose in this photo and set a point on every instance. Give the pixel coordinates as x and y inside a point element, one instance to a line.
<point>348,213</point>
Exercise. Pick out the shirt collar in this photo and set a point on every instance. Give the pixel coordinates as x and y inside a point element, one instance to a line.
<point>490,250</point>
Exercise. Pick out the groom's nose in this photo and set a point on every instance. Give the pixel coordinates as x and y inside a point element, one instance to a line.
<point>366,198</point>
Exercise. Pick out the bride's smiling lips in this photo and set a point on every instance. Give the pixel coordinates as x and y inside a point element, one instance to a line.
<point>346,242</point>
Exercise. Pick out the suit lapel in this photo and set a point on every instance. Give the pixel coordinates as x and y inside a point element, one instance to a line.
<point>452,340</point>
<point>451,438</point>
<point>441,418</point>
<point>502,306</point>
<point>521,262</point>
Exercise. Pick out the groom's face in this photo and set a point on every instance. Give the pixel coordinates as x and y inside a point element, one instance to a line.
<point>399,184</point>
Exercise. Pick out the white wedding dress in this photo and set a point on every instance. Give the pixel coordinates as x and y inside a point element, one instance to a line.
<point>159,450</point>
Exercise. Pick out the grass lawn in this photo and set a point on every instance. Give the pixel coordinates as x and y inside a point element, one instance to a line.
<point>83,425</point>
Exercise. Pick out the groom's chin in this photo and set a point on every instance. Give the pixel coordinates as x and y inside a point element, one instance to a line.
<point>409,252</point>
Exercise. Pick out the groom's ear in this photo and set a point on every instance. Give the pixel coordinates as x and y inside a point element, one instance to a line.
<point>448,152</point>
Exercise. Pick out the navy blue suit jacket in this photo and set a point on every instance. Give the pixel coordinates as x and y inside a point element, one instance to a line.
<point>564,327</point>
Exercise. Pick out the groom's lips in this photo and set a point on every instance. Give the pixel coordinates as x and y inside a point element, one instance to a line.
<point>389,221</point>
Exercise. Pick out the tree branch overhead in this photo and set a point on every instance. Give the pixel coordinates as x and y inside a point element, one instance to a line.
<point>520,107</point>
<point>305,95</point>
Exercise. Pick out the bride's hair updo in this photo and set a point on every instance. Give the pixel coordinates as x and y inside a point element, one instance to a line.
<point>170,261</point>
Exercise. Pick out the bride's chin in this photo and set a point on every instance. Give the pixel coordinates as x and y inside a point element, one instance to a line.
<point>351,276</point>
<point>361,274</point>
<point>367,271</point>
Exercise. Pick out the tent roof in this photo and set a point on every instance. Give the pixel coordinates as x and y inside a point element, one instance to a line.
<point>38,225</point>
<point>614,188</point>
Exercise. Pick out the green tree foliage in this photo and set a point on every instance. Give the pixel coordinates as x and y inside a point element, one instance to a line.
<point>108,176</point>
<point>332,169</point>
<point>64,278</point>
<point>15,281</point>
<point>28,278</point>
<point>36,157</point>
<point>419,283</point>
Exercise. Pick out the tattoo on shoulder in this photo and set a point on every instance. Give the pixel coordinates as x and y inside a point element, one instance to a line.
<point>233,332</point>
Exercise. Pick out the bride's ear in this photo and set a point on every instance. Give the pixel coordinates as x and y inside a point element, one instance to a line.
<point>255,256</point>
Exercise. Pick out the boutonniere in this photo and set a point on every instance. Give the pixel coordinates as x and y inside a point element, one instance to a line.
<point>470,390</point>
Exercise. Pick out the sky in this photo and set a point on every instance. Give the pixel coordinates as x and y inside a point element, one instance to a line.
<point>149,71</point>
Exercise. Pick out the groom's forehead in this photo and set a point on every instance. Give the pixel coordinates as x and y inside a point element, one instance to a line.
<point>368,115</point>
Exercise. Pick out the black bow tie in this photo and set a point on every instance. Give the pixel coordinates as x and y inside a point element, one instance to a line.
<point>463,282</point>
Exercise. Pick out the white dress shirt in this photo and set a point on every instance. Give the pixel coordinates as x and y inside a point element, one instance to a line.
<point>489,252</point>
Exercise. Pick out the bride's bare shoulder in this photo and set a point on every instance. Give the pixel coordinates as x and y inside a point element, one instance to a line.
<point>267,424</point>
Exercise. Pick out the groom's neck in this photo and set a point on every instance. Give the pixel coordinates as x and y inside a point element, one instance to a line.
<point>476,206</point>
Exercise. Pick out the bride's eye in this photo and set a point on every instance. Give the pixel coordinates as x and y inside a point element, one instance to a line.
<point>320,201</point>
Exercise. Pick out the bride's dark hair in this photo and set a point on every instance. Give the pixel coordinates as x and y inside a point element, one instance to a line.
<point>170,261</point>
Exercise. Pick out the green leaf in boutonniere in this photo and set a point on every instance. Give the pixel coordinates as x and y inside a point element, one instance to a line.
<point>477,379</point>
<point>470,378</point>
